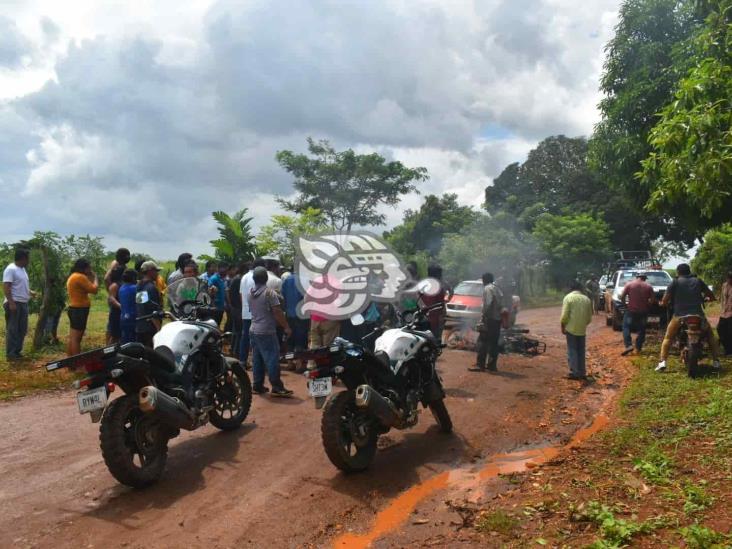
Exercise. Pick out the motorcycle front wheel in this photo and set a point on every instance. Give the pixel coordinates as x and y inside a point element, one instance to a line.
<point>346,447</point>
<point>133,446</point>
<point>232,400</point>
<point>441,415</point>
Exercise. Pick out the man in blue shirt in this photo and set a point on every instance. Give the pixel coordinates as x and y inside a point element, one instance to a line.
<point>217,285</point>
<point>300,327</point>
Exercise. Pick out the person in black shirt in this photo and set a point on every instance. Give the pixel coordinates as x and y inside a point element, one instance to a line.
<point>687,293</point>
<point>235,307</point>
<point>146,329</point>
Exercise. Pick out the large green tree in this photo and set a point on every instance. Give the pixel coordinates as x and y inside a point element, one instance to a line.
<point>714,257</point>
<point>690,166</point>
<point>572,244</point>
<point>644,61</point>
<point>424,229</point>
<point>346,187</point>
<point>236,242</point>
<point>279,235</point>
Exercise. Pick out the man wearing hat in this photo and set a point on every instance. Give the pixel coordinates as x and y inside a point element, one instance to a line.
<point>640,296</point>
<point>146,329</point>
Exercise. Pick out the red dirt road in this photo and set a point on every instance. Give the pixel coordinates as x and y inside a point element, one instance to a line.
<point>270,483</point>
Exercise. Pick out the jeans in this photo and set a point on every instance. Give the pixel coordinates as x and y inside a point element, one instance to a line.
<point>634,320</point>
<point>244,341</point>
<point>16,327</point>
<point>488,344</point>
<point>266,354</point>
<point>127,332</point>
<point>235,333</point>
<point>576,355</point>
<point>299,339</point>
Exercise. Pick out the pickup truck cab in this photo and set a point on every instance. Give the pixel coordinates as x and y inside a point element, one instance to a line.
<point>615,309</point>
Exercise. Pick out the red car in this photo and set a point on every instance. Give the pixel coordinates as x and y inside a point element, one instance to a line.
<point>467,302</point>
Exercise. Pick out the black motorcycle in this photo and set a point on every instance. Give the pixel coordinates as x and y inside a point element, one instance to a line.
<point>383,389</point>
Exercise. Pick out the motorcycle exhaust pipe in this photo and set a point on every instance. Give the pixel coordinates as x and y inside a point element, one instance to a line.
<point>171,410</point>
<point>377,405</point>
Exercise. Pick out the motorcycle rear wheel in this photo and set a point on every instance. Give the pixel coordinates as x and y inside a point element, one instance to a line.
<point>232,401</point>
<point>133,446</point>
<point>441,415</point>
<point>338,415</point>
<point>693,354</point>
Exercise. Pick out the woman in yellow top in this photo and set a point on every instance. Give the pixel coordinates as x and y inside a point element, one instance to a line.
<point>81,283</point>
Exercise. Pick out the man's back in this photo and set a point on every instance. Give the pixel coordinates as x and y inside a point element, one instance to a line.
<point>576,313</point>
<point>639,294</point>
<point>687,293</point>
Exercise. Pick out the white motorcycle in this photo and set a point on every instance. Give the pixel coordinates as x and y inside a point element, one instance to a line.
<point>183,383</point>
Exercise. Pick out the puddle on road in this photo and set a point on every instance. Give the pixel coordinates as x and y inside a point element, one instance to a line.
<point>399,509</point>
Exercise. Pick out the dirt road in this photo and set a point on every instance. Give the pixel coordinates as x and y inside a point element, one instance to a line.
<point>270,483</point>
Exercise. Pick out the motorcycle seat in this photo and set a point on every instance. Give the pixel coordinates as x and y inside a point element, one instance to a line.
<point>157,359</point>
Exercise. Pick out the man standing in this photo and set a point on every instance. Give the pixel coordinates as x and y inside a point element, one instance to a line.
<point>724,328</point>
<point>16,288</point>
<point>688,294</point>
<point>246,286</point>
<point>299,326</point>
<point>234,291</point>
<point>576,316</point>
<point>210,270</point>
<point>593,292</point>
<point>640,297</point>
<point>146,329</point>
<point>267,315</point>
<point>490,326</point>
<point>121,259</point>
<point>217,283</point>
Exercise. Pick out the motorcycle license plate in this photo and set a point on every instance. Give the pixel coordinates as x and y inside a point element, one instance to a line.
<point>321,387</point>
<point>89,401</point>
<point>654,319</point>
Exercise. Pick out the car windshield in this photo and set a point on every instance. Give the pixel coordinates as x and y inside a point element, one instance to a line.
<point>654,278</point>
<point>469,288</point>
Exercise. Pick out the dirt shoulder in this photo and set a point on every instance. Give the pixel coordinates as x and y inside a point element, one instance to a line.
<point>270,483</point>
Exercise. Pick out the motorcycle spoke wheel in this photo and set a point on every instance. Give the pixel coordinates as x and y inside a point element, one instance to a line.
<point>345,446</point>
<point>232,400</point>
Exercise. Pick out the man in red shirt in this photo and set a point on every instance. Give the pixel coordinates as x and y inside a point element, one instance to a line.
<point>640,297</point>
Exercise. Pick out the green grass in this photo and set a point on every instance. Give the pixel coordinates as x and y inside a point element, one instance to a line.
<point>497,521</point>
<point>26,376</point>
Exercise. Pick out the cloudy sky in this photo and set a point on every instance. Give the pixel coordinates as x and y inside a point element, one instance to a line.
<point>134,120</point>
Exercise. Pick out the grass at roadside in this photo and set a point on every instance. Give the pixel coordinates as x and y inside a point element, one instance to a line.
<point>19,378</point>
<point>661,476</point>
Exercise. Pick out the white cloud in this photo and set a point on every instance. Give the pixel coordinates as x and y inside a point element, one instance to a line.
<point>136,124</point>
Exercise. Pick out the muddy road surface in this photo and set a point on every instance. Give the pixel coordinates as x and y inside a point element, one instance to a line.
<point>269,484</point>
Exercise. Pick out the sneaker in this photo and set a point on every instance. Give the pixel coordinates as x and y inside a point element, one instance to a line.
<point>261,390</point>
<point>661,366</point>
<point>627,351</point>
<point>282,392</point>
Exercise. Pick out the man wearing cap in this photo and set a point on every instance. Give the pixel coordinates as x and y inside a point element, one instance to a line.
<point>146,329</point>
<point>640,297</point>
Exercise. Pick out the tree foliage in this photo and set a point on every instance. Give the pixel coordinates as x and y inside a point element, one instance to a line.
<point>714,257</point>
<point>423,230</point>
<point>690,166</point>
<point>645,59</point>
<point>572,244</point>
<point>346,187</point>
<point>235,243</point>
<point>279,236</point>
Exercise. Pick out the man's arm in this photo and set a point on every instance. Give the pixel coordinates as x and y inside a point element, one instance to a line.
<point>668,295</point>
<point>565,315</point>
<point>281,320</point>
<point>706,292</point>
<point>7,289</point>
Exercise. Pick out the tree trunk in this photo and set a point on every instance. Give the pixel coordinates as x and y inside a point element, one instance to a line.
<point>43,312</point>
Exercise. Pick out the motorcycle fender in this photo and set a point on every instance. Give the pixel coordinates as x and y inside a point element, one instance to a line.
<point>319,402</point>
<point>432,393</point>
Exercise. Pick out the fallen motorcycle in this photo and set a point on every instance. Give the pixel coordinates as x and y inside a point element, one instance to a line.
<point>383,389</point>
<point>183,383</point>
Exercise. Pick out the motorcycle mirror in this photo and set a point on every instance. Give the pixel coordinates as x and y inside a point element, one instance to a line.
<point>203,298</point>
<point>357,320</point>
<point>429,286</point>
<point>142,298</point>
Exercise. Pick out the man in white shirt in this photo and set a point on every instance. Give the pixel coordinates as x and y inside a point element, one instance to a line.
<point>16,288</point>
<point>246,286</point>
<point>274,282</point>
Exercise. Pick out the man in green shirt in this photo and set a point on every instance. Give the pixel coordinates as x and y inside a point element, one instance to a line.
<point>576,316</point>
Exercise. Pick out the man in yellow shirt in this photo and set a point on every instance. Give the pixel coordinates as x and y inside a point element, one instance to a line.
<point>576,316</point>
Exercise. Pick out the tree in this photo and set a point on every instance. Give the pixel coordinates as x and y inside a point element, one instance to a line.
<point>496,244</point>
<point>556,179</point>
<point>572,244</point>
<point>690,166</point>
<point>235,243</point>
<point>425,229</point>
<point>346,187</point>
<point>279,236</point>
<point>714,257</point>
<point>644,61</point>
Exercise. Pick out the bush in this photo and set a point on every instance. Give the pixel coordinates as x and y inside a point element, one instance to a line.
<point>714,257</point>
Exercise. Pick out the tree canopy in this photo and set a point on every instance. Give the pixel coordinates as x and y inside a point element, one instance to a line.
<point>236,242</point>
<point>278,237</point>
<point>714,257</point>
<point>346,187</point>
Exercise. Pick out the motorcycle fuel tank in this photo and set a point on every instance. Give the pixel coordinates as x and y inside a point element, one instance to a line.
<point>399,345</point>
<point>182,338</point>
